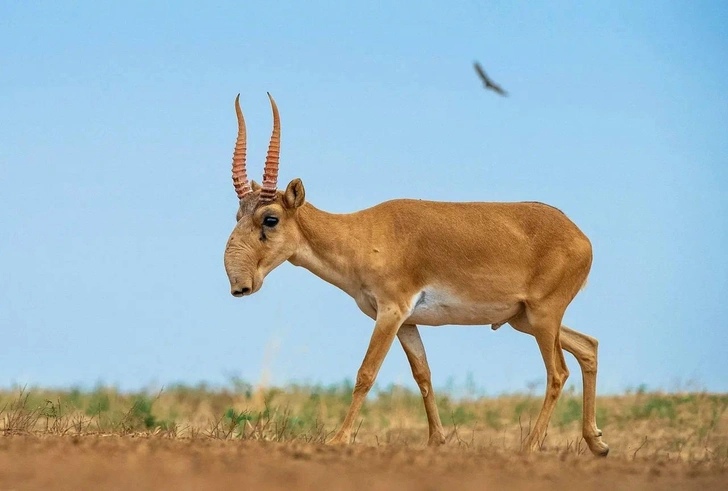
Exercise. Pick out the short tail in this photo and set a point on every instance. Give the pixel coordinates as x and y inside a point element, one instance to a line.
<point>583,286</point>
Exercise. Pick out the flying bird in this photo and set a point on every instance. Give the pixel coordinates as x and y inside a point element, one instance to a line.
<point>489,84</point>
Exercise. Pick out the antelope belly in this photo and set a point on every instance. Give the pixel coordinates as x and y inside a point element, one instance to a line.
<point>437,308</point>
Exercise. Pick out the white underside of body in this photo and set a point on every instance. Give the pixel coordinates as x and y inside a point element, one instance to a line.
<point>437,307</point>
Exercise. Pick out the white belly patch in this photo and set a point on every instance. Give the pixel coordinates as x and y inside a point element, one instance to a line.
<point>434,307</point>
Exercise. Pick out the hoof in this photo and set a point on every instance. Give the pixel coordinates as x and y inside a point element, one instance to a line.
<point>436,440</point>
<point>531,447</point>
<point>337,440</point>
<point>599,448</point>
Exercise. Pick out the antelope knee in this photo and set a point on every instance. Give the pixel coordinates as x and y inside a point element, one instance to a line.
<point>424,381</point>
<point>364,381</point>
<point>557,380</point>
<point>424,388</point>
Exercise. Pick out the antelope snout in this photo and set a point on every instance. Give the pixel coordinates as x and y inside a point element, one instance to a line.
<point>240,288</point>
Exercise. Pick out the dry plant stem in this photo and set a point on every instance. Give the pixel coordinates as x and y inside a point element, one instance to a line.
<point>357,431</point>
<point>644,442</point>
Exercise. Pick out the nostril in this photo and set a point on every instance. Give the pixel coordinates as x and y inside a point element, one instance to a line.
<point>239,292</point>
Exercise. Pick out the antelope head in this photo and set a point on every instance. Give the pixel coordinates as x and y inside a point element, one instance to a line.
<point>266,233</point>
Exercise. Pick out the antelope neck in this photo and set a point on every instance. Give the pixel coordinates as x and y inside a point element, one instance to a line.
<point>328,243</point>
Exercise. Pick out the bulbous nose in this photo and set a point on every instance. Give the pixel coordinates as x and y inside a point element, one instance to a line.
<point>240,288</point>
<point>240,291</point>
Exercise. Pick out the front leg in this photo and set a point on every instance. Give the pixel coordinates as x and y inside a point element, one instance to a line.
<point>389,319</point>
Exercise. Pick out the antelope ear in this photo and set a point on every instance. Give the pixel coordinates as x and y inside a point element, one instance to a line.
<point>295,195</point>
<point>255,186</point>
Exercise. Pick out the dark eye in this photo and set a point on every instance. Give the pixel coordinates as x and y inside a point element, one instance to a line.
<point>270,221</point>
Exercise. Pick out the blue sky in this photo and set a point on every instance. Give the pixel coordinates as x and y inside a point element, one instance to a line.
<point>116,133</point>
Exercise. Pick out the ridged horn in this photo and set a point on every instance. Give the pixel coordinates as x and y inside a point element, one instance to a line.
<point>240,177</point>
<point>270,173</point>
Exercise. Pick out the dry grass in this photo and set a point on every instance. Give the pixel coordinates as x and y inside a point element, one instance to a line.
<point>197,438</point>
<point>692,427</point>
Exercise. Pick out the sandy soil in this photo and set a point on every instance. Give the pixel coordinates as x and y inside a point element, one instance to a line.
<point>113,462</point>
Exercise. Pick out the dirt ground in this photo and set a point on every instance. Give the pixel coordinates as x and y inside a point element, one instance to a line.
<point>115,462</point>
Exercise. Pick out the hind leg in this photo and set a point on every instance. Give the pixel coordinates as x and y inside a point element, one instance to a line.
<point>545,326</point>
<point>584,349</point>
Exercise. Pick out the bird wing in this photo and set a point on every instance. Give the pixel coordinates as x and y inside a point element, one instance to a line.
<point>498,88</point>
<point>481,72</point>
<point>489,84</point>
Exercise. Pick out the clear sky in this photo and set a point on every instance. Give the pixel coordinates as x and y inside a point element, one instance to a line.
<point>116,135</point>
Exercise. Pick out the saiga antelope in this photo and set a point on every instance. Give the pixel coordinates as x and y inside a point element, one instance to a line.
<point>407,262</point>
